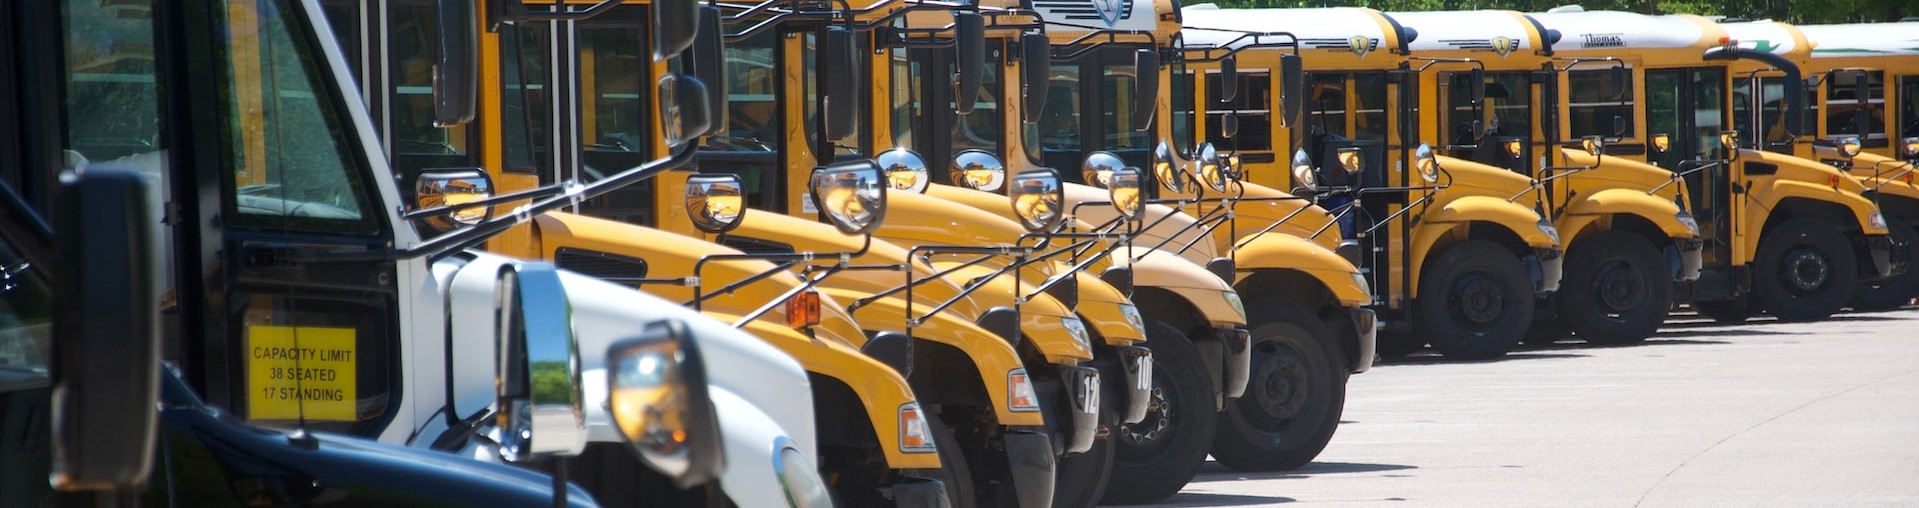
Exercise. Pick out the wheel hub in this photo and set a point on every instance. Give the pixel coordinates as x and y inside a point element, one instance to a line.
<point>1280,389</point>
<point>1159,418</point>
<point>1806,270</point>
<point>1478,299</point>
<point>1620,287</point>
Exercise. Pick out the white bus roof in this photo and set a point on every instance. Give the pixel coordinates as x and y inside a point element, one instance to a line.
<point>1105,14</point>
<point>1316,28</point>
<point>1615,29</point>
<point>1852,40</point>
<point>1764,36</point>
<point>1465,30</point>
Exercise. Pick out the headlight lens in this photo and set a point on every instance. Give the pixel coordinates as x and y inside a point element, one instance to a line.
<point>800,480</point>
<point>1364,285</point>
<point>1077,329</point>
<point>1132,316</point>
<point>1876,219</point>
<point>1686,218</point>
<point>915,436</point>
<point>1549,230</point>
<point>1232,298</point>
<point>1019,392</point>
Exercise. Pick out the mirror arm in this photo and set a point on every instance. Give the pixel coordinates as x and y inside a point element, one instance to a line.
<point>495,200</point>
<point>810,283</point>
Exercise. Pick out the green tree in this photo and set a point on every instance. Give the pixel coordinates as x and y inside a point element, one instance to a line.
<point>1827,11</point>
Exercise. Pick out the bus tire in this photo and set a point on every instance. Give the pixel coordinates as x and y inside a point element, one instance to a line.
<point>1617,289</point>
<point>1893,292</point>
<point>1476,301</point>
<point>1294,397</point>
<point>1804,270</point>
<point>1156,457</point>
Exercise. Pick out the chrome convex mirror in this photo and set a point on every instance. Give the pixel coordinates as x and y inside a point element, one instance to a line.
<point>1729,142</point>
<point>1911,150</point>
<point>1661,143</point>
<point>1166,168</point>
<point>1210,169</point>
<point>1038,199</point>
<point>716,202</point>
<point>541,405</point>
<point>657,396</point>
<point>978,170</point>
<point>1123,188</point>
<point>1426,163</point>
<point>1099,167</point>
<point>453,187</point>
<point>1303,175</point>
<point>1848,146</point>
<point>905,170</point>
<point>1593,145</point>
<point>852,195</point>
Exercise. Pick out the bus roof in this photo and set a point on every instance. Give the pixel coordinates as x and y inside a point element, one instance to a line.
<point>1607,30</point>
<point>1332,28</point>
<point>1767,36</point>
<point>1501,32</point>
<point>1863,39</point>
<point>1077,15</point>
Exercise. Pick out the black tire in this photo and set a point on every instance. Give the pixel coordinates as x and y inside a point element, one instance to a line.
<point>1617,288</point>
<point>1397,344</point>
<point>1805,270</point>
<point>1082,478</point>
<point>956,476</point>
<point>1894,292</point>
<point>1152,461</point>
<point>1294,396</point>
<point>1727,312</point>
<point>1475,301</point>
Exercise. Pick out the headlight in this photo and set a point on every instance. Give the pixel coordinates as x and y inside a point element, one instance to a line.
<point>979,170</point>
<point>851,195</point>
<point>799,479</point>
<point>1132,316</point>
<point>1849,146</point>
<point>905,170</point>
<point>1303,175</point>
<point>1077,329</point>
<point>714,201</point>
<point>1038,199</point>
<point>1364,285</point>
<point>1686,218</point>
<point>1019,392</point>
<point>1549,230</point>
<point>1232,298</point>
<point>1876,219</point>
<point>915,434</point>
<point>1426,163</point>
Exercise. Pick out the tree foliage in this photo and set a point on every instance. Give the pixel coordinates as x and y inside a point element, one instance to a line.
<point>1823,11</point>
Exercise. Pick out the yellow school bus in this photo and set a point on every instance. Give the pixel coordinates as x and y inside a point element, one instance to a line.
<point>1458,252</point>
<point>1782,233</point>
<point>1497,92</point>
<point>874,435</point>
<point>1862,87</point>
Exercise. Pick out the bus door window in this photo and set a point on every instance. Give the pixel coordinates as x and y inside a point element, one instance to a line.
<point>1845,106</point>
<point>616,120</point>
<point>1253,104</point>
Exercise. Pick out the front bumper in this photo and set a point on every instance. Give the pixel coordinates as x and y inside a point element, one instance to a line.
<point>1081,385</point>
<point>1883,256</point>
<point>1136,378</point>
<point>920,493</point>
<point>1030,456</point>
<point>1238,344</point>
<point>1366,336</point>
<point>1686,256</point>
<point>1550,263</point>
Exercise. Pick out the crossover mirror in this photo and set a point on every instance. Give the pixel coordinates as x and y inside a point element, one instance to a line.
<point>1593,145</point>
<point>1166,169</point>
<point>1303,175</point>
<point>1729,143</point>
<point>657,396</point>
<point>541,405</point>
<point>1098,168</point>
<point>905,170</point>
<point>852,195</point>
<point>449,188</point>
<point>978,170</point>
<point>1124,189</point>
<point>1661,143</point>
<point>1911,150</point>
<point>1210,169</point>
<point>1038,199</point>
<point>1426,163</point>
<point>715,202</point>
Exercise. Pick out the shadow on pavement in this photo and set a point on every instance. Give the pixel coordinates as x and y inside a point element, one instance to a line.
<point>1213,471</point>
<point>1205,499</point>
<point>1430,357</point>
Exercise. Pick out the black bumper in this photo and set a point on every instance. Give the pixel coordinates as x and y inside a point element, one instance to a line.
<point>1135,382</point>
<point>1879,249</point>
<point>1081,409</point>
<point>1030,456</point>
<point>1366,335</point>
<point>1238,361</point>
<point>920,493</point>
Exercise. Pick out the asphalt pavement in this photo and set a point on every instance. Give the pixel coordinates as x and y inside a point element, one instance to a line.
<point>1760,414</point>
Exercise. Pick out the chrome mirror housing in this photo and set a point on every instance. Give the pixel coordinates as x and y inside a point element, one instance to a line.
<point>1426,163</point>
<point>1099,167</point>
<point>979,170</point>
<point>539,397</point>
<point>1303,174</point>
<point>657,396</point>
<point>715,202</point>
<point>1123,189</point>
<point>1038,199</point>
<point>452,187</point>
<point>905,170</point>
<point>851,195</point>
<point>1166,168</point>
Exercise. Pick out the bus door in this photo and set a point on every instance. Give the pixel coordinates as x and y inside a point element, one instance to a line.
<point>1688,104</point>
<point>937,131</point>
<point>1090,109</point>
<point>1498,131</point>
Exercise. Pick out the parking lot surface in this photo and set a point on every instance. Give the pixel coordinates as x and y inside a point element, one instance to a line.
<point>1760,414</point>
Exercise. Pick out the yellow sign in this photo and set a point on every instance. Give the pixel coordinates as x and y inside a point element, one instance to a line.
<point>314,374</point>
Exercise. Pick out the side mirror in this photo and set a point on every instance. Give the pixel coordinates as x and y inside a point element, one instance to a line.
<point>969,32</point>
<point>852,195</point>
<point>715,202</point>
<point>1292,89</point>
<point>1593,145</point>
<point>1303,175</point>
<point>1210,169</point>
<point>905,170</point>
<point>1426,163</point>
<point>542,411</point>
<point>106,362</point>
<point>657,396</point>
<point>1097,170</point>
<point>1038,199</point>
<point>841,94</point>
<point>1661,143</point>
<point>1351,159</point>
<point>978,170</point>
<point>1146,88</point>
<point>684,115</point>
<point>1229,124</point>
<point>675,25</point>
<point>1862,91</point>
<point>1621,78</point>
<point>709,65</point>
<point>1037,62</point>
<point>452,187</point>
<point>1124,188</point>
<point>1619,126</point>
<point>1228,78</point>
<point>1729,141</point>
<point>1166,169</point>
<point>455,63</point>
<point>1478,85</point>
